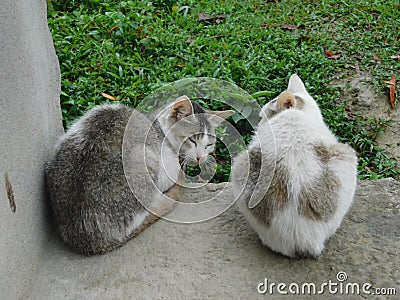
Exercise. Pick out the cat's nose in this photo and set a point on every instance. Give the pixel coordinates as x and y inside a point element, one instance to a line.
<point>201,159</point>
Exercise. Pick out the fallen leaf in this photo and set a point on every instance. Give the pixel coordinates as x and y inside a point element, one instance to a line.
<point>304,38</point>
<point>375,13</point>
<point>392,90</point>
<point>358,71</point>
<point>329,54</point>
<point>301,39</point>
<point>204,17</point>
<point>139,32</point>
<point>180,64</point>
<point>110,97</point>
<point>219,18</point>
<point>289,27</point>
<point>189,40</point>
<point>99,65</point>
<point>333,56</point>
<point>113,28</point>
<point>376,58</point>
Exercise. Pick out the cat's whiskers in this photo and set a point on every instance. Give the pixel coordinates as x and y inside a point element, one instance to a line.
<point>208,162</point>
<point>185,161</point>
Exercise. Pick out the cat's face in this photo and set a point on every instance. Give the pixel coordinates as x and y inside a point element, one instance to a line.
<point>295,97</point>
<point>191,130</point>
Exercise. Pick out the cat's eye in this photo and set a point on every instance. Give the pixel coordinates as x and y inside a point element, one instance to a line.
<point>191,140</point>
<point>209,145</point>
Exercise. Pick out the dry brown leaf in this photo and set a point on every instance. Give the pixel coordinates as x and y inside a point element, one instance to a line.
<point>358,71</point>
<point>289,27</point>
<point>139,32</point>
<point>113,28</point>
<point>110,97</point>
<point>392,90</point>
<point>204,17</point>
<point>301,39</point>
<point>189,40</point>
<point>336,56</point>
<point>329,54</point>
<point>220,16</point>
<point>376,58</point>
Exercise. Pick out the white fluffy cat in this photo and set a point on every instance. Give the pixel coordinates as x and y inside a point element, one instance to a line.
<point>296,182</point>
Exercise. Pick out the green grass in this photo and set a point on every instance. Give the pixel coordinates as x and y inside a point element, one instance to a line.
<point>130,48</point>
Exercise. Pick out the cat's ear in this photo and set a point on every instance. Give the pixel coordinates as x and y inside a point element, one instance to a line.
<point>296,85</point>
<point>181,108</point>
<point>217,117</point>
<point>286,100</point>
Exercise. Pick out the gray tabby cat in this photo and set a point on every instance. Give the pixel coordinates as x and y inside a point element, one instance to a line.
<point>94,207</point>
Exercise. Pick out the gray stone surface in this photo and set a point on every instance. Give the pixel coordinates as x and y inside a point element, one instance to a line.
<point>223,258</point>
<point>30,121</point>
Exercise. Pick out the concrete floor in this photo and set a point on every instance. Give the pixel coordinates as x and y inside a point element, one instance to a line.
<point>223,258</point>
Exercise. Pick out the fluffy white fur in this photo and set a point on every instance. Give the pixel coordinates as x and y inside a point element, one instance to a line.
<point>287,140</point>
